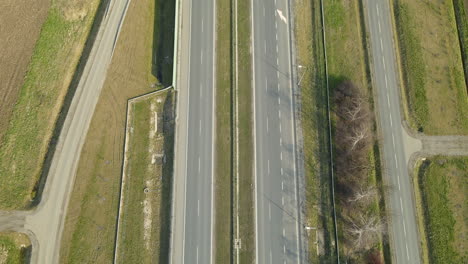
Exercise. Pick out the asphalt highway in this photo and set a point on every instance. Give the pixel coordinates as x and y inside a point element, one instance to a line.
<point>192,229</point>
<point>403,229</point>
<point>277,215</point>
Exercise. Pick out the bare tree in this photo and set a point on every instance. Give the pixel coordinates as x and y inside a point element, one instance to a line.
<point>358,135</point>
<point>356,109</point>
<point>364,194</point>
<point>365,231</point>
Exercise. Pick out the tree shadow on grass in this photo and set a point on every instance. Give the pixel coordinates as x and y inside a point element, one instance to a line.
<point>167,178</point>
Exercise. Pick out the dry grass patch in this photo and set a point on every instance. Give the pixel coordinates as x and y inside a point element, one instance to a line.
<point>29,128</point>
<point>144,218</point>
<point>432,66</point>
<point>90,226</point>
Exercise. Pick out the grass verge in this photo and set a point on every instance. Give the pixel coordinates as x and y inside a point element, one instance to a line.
<point>90,226</point>
<point>24,144</point>
<point>441,184</point>
<point>432,67</point>
<point>309,49</point>
<point>347,58</point>
<point>146,198</point>
<point>245,139</point>
<point>15,248</point>
<point>224,130</point>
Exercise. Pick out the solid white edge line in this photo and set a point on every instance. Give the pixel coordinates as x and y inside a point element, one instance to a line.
<point>213,136</point>
<point>175,76</point>
<point>237,128</point>
<point>254,130</point>
<point>293,131</point>
<point>187,128</point>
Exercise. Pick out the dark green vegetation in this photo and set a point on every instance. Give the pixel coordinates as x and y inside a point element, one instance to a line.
<point>443,183</point>
<point>15,248</point>
<point>460,8</point>
<point>431,55</point>
<point>25,142</point>
<point>163,41</point>
<point>90,227</point>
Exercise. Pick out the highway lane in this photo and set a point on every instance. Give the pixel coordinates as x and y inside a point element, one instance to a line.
<point>277,215</point>
<point>403,229</point>
<point>193,213</point>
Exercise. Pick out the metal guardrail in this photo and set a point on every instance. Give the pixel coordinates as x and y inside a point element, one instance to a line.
<point>324,42</point>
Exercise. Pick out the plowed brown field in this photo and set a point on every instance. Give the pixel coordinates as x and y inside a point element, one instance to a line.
<point>20,25</point>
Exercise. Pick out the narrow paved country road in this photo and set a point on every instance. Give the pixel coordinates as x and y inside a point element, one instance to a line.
<point>45,223</point>
<point>277,220</point>
<point>403,229</point>
<point>192,234</point>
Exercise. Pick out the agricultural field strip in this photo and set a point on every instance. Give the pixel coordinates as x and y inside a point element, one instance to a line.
<point>47,219</point>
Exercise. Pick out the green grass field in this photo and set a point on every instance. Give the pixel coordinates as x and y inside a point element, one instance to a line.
<point>432,68</point>
<point>442,183</point>
<point>54,61</point>
<point>15,248</point>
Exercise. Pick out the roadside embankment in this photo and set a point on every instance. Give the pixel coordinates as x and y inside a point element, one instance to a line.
<point>90,226</point>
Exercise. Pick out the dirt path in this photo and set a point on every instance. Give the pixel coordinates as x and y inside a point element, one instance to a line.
<point>423,145</point>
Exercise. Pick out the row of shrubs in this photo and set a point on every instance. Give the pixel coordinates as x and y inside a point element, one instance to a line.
<point>357,195</point>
